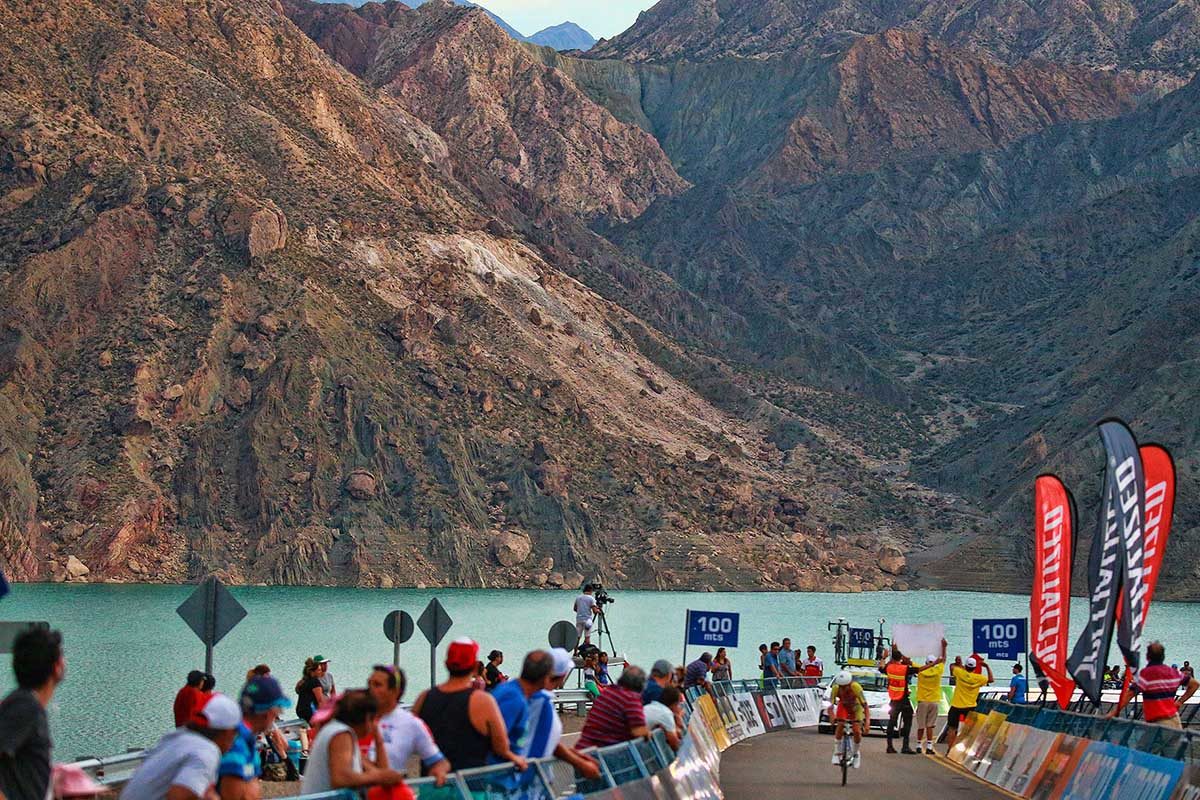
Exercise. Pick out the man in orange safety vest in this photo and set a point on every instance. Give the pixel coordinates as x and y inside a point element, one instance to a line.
<point>898,670</point>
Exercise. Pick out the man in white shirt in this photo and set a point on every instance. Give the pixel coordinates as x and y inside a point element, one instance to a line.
<point>667,713</point>
<point>183,765</point>
<point>811,666</point>
<point>403,734</point>
<point>585,614</point>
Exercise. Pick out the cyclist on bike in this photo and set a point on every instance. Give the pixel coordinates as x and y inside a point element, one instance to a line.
<point>848,704</point>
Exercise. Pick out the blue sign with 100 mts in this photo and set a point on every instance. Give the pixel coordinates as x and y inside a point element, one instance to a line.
<point>718,628</point>
<point>1002,639</point>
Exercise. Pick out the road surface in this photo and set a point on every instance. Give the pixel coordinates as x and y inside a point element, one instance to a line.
<point>791,764</point>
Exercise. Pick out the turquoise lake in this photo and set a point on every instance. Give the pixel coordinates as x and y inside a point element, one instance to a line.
<point>128,651</point>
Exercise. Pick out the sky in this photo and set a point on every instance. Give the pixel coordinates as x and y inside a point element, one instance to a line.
<point>601,18</point>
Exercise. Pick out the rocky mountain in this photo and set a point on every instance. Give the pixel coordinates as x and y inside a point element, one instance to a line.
<point>254,323</point>
<point>564,36</point>
<point>511,116</point>
<point>1003,253</point>
<point>757,294</point>
<point>1159,38</point>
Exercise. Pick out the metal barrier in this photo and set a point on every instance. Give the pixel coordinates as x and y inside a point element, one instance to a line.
<point>1146,737</point>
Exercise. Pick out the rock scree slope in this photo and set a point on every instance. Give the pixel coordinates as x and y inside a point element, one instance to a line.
<point>254,324</point>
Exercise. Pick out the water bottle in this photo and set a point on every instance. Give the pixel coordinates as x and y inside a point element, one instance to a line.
<point>294,752</point>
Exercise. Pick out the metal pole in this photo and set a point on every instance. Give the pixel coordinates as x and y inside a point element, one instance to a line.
<point>1028,625</point>
<point>687,626</point>
<point>432,665</point>
<point>210,622</point>
<point>396,653</point>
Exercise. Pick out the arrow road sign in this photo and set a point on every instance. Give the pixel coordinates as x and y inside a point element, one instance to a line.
<point>398,628</point>
<point>434,623</point>
<point>9,631</point>
<point>211,612</point>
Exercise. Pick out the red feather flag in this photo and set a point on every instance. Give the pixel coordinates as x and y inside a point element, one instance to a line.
<point>1050,600</point>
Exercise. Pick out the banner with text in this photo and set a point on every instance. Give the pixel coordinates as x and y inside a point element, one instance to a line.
<point>1050,599</point>
<point>1107,562</point>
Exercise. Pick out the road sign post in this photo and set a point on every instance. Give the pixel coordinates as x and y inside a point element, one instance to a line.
<point>434,623</point>
<point>211,612</point>
<point>1000,639</point>
<point>398,628</point>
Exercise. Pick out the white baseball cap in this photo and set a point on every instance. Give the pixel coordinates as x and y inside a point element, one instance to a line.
<point>970,662</point>
<point>221,714</point>
<point>930,659</point>
<point>563,663</point>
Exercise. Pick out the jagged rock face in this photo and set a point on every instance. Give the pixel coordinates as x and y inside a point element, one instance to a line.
<point>507,113</point>
<point>902,95</point>
<point>251,324</point>
<point>1126,35</point>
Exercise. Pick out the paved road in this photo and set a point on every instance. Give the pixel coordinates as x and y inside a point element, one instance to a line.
<point>791,764</point>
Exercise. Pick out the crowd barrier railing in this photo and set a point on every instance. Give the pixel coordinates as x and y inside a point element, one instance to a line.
<point>644,769</point>
<point>1039,752</point>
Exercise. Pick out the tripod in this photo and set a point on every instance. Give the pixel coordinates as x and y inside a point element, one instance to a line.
<point>603,630</point>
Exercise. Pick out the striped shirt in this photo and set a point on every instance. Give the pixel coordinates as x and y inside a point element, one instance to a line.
<point>544,730</point>
<point>1158,684</point>
<point>612,718</point>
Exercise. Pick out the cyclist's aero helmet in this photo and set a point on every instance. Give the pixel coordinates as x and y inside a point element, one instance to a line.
<point>843,678</point>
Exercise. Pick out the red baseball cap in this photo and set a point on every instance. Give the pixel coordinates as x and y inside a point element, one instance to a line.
<point>462,654</point>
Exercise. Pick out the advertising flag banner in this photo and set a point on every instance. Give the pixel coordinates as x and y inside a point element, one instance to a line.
<point>1159,470</point>
<point>1128,493</point>
<point>1116,559</point>
<point>1050,600</point>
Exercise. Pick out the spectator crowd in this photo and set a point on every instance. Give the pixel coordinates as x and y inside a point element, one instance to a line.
<point>222,746</point>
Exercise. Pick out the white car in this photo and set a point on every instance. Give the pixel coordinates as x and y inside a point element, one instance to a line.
<point>874,686</point>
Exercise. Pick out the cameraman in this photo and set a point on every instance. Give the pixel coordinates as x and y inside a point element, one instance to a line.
<point>585,613</point>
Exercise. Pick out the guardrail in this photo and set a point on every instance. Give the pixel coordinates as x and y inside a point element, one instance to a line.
<point>1145,737</point>
<point>549,778</point>
<point>115,770</point>
<point>1189,715</point>
<point>1032,751</point>
<point>734,711</point>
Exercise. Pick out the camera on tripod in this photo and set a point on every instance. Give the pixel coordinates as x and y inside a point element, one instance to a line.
<point>603,598</point>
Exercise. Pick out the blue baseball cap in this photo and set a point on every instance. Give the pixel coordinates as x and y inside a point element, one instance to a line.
<point>262,693</point>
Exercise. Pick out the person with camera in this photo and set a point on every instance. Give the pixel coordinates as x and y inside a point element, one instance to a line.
<point>586,609</point>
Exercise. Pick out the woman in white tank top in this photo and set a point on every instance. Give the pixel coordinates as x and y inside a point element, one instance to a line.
<point>334,760</point>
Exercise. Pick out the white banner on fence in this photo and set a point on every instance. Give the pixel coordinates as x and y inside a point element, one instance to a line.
<point>747,711</point>
<point>918,641</point>
<point>802,707</point>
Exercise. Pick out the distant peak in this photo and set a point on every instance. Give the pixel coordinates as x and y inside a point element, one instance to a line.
<point>564,36</point>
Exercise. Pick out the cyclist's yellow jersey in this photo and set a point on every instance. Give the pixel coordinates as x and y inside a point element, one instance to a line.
<point>966,687</point>
<point>854,703</point>
<point>929,684</point>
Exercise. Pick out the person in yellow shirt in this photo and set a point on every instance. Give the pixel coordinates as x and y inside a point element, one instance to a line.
<point>967,684</point>
<point>929,698</point>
